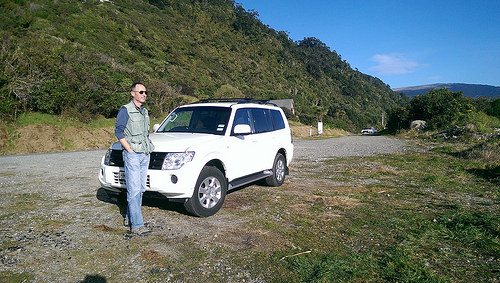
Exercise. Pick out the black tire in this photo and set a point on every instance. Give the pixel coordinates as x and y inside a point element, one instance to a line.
<point>279,169</point>
<point>209,193</point>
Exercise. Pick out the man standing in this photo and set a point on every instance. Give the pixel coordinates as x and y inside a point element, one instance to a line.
<point>132,130</point>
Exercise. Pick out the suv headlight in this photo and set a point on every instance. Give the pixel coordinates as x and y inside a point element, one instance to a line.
<point>107,157</point>
<point>175,160</point>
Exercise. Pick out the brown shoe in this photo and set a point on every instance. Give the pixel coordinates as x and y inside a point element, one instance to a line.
<point>140,231</point>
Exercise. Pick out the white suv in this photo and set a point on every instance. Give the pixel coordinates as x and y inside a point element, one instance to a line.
<point>206,148</point>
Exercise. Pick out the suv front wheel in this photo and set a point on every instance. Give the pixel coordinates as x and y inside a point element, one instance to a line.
<point>209,193</point>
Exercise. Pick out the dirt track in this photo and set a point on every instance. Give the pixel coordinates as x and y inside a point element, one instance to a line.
<point>57,224</point>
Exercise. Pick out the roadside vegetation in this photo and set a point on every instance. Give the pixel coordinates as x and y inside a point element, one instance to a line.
<point>442,109</point>
<point>423,216</point>
<point>80,57</point>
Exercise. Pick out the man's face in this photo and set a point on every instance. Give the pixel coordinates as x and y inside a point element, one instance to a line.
<point>139,94</point>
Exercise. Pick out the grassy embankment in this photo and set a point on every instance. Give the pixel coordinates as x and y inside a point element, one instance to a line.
<point>38,133</point>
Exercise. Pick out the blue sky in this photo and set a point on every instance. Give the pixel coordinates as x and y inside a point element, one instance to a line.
<point>405,42</point>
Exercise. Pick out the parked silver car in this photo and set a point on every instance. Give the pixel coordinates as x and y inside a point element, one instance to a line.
<point>368,131</point>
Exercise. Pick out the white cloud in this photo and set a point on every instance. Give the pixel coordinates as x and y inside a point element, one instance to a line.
<point>394,64</point>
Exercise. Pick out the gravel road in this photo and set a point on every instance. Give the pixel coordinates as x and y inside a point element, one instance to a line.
<point>57,224</point>
<point>347,146</point>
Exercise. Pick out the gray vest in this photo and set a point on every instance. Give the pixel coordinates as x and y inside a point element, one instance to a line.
<point>137,130</point>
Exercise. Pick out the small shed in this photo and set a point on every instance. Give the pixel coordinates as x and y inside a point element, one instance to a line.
<point>284,103</point>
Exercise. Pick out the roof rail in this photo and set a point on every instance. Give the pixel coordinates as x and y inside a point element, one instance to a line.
<point>236,100</point>
<point>224,100</point>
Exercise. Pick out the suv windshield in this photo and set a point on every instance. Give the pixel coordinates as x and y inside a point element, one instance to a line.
<point>203,119</point>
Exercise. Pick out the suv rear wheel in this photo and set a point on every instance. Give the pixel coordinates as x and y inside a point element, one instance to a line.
<point>209,193</point>
<point>279,169</point>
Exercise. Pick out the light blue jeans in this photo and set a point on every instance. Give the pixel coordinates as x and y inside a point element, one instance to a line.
<point>136,171</point>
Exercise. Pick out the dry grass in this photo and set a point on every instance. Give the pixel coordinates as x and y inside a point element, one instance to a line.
<point>53,136</point>
<point>299,130</point>
<point>488,152</point>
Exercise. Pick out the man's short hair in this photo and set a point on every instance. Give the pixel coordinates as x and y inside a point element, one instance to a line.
<point>132,88</point>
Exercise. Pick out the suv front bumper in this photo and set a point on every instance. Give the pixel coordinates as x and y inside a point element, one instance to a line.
<point>170,183</point>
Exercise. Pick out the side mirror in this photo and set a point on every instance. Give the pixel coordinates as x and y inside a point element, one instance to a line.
<point>242,129</point>
<point>155,127</point>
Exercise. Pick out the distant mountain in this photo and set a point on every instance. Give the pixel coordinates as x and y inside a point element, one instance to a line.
<point>470,90</point>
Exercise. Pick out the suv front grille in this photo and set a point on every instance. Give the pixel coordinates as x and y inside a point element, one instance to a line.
<point>119,179</point>
<point>155,162</point>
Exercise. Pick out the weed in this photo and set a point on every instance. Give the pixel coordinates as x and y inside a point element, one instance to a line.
<point>473,228</point>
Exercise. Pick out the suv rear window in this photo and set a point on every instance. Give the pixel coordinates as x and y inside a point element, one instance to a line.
<point>259,120</point>
<point>262,120</point>
<point>278,120</point>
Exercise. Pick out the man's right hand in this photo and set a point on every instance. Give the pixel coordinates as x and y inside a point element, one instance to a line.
<point>125,145</point>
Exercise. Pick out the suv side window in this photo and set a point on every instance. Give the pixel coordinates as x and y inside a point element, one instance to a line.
<point>278,120</point>
<point>262,120</point>
<point>243,116</point>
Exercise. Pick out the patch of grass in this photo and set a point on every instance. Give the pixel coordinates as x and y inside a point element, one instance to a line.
<point>6,215</point>
<point>435,221</point>
<point>316,208</point>
<point>36,118</point>
<point>87,196</point>
<point>444,149</point>
<point>9,276</point>
<point>8,244</point>
<point>394,264</point>
<point>269,225</point>
<point>473,228</point>
<point>486,151</point>
<point>399,244</point>
<point>153,257</point>
<point>25,202</point>
<point>68,144</point>
<point>490,173</point>
<point>102,122</point>
<point>482,122</point>
<point>434,179</point>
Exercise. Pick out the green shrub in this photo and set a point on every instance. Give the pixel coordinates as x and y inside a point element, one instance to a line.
<point>482,122</point>
<point>398,119</point>
<point>494,108</point>
<point>440,108</point>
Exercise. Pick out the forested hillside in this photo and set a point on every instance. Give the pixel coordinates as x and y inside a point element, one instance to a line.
<point>78,58</point>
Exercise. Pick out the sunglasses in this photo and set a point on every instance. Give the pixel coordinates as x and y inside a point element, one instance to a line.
<point>142,91</point>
